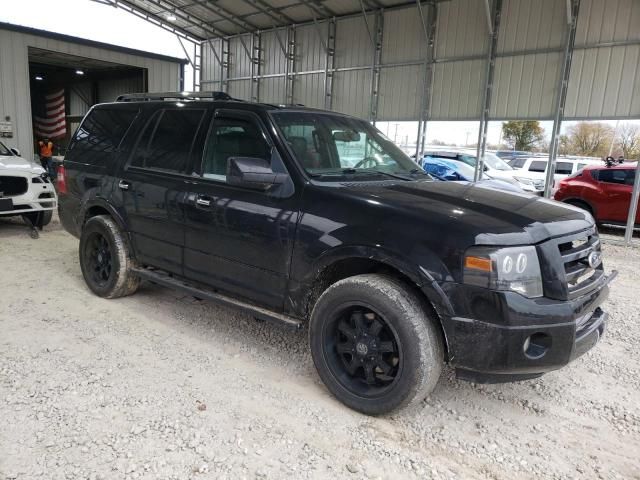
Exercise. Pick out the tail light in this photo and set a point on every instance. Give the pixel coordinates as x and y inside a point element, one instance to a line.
<point>62,181</point>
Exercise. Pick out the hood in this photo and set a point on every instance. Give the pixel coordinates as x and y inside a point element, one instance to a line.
<point>508,174</point>
<point>485,215</point>
<point>19,164</point>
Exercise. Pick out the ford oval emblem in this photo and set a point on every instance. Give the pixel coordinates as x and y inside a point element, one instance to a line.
<point>595,258</point>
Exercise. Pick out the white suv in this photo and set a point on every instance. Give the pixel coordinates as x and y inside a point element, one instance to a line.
<point>564,166</point>
<point>25,189</point>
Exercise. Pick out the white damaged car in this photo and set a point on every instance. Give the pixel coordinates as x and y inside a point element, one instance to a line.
<point>25,189</point>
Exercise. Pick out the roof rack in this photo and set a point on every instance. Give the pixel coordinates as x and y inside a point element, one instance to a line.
<point>159,96</point>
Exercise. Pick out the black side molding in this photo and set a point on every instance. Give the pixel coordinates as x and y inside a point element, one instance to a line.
<point>166,280</point>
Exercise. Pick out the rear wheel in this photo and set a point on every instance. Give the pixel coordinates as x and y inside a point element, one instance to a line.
<point>105,259</point>
<point>374,345</point>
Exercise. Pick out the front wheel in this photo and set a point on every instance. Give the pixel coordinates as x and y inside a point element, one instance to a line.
<point>374,345</point>
<point>105,259</point>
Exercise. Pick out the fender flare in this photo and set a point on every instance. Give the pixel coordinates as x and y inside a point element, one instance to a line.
<point>425,277</point>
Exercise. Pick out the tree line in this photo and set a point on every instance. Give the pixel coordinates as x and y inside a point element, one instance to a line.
<point>589,139</point>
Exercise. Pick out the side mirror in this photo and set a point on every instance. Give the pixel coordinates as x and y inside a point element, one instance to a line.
<point>15,151</point>
<point>253,173</point>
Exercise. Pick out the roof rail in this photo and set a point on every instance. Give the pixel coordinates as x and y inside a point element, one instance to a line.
<point>155,96</point>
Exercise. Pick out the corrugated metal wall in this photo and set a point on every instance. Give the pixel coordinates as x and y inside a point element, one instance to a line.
<point>604,83</point>
<point>15,100</point>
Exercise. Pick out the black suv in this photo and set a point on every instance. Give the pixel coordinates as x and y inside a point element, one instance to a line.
<point>314,219</point>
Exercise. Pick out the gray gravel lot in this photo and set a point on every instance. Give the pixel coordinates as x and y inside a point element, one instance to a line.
<point>161,386</point>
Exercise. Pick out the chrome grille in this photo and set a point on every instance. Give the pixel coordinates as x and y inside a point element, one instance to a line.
<point>581,256</point>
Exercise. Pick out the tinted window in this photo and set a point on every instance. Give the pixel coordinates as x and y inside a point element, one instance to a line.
<point>623,177</point>
<point>518,162</point>
<point>232,137</point>
<point>167,141</point>
<point>99,135</point>
<point>538,166</point>
<point>564,168</point>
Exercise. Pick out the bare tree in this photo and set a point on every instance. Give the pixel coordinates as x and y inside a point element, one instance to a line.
<point>629,140</point>
<point>589,139</point>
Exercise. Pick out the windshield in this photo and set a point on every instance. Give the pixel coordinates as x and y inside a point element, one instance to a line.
<point>326,144</point>
<point>4,150</point>
<point>491,160</point>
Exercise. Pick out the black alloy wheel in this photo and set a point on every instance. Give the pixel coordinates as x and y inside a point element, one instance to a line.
<point>98,258</point>
<point>363,351</point>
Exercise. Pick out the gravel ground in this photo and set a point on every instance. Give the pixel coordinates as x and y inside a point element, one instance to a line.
<point>161,386</point>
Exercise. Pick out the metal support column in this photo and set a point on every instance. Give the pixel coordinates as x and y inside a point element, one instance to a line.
<point>329,64</point>
<point>290,65</point>
<point>573,7</point>
<point>218,60</point>
<point>429,30</point>
<point>633,207</point>
<point>225,65</point>
<point>197,69</point>
<point>375,67</point>
<point>493,21</point>
<point>256,60</point>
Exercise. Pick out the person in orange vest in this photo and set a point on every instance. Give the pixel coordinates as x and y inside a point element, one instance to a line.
<point>46,152</point>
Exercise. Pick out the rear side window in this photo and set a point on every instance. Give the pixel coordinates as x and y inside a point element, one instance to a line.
<point>622,177</point>
<point>99,136</point>
<point>564,168</point>
<point>518,162</point>
<point>538,166</point>
<point>167,140</point>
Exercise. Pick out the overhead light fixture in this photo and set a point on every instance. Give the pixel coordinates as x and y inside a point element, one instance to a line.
<point>171,17</point>
<point>39,77</point>
<point>79,72</point>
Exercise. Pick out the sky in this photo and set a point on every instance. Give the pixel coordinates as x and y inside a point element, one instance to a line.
<point>96,21</point>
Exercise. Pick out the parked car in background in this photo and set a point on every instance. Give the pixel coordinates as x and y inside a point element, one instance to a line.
<point>495,167</point>
<point>564,166</point>
<point>508,155</point>
<point>447,169</point>
<point>25,189</point>
<point>605,192</point>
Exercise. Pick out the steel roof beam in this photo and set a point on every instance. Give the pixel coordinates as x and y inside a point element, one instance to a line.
<point>152,18</point>
<point>166,6</point>
<point>222,12</point>
<point>268,10</point>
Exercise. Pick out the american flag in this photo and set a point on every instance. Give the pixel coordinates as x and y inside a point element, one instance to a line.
<point>53,124</point>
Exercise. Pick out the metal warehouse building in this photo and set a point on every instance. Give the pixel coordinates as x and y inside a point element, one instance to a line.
<point>34,61</point>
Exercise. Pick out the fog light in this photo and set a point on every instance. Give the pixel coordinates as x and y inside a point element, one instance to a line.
<point>536,345</point>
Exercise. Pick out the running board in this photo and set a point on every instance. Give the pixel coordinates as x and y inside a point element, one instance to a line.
<point>177,284</point>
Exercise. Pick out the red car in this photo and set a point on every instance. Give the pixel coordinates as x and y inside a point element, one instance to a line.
<point>603,191</point>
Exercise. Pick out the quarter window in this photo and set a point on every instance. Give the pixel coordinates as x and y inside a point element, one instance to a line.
<point>99,135</point>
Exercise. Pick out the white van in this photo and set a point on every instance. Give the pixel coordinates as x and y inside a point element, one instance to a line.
<point>564,166</point>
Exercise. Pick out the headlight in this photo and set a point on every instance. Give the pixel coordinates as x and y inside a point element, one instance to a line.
<point>516,269</point>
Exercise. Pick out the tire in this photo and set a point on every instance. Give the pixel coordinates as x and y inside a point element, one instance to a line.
<point>105,259</point>
<point>369,368</point>
<point>47,215</point>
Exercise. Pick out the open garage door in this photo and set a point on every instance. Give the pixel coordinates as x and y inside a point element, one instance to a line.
<point>63,87</point>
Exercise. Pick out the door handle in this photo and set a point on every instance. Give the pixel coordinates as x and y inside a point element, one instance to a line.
<point>123,185</point>
<point>203,201</point>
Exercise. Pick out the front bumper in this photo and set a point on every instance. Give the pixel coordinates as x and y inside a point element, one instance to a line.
<point>515,338</point>
<point>40,196</point>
